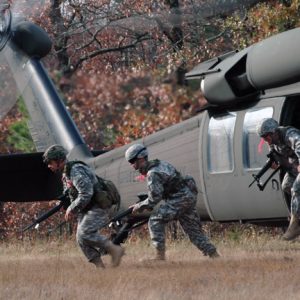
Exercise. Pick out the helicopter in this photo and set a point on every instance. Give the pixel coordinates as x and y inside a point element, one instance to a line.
<point>218,147</point>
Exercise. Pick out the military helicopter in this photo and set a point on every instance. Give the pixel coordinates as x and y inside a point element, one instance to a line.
<point>218,147</point>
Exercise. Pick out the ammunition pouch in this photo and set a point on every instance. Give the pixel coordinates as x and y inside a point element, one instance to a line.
<point>174,187</point>
<point>177,183</point>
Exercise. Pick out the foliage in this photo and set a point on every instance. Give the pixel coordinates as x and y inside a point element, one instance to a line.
<point>19,135</point>
<point>16,216</point>
<point>128,109</point>
<point>262,21</point>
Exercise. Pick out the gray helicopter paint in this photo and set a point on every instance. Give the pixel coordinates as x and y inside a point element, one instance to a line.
<point>275,61</point>
<point>290,89</point>
<point>224,92</point>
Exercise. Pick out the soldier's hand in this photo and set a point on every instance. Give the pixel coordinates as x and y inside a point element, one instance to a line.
<point>298,169</point>
<point>135,208</point>
<point>68,214</point>
<point>274,165</point>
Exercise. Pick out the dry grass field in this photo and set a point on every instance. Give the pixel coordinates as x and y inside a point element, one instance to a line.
<point>258,267</point>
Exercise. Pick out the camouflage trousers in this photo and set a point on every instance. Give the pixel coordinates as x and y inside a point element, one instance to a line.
<point>182,209</point>
<point>291,185</point>
<point>88,237</point>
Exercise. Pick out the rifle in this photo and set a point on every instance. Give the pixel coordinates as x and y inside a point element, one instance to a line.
<point>64,202</point>
<point>123,226</point>
<point>264,169</point>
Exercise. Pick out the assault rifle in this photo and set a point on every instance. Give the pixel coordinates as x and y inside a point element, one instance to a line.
<point>124,222</point>
<point>264,169</point>
<point>64,202</point>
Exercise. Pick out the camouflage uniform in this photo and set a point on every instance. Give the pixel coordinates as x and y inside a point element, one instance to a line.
<point>90,217</point>
<point>180,204</point>
<point>288,148</point>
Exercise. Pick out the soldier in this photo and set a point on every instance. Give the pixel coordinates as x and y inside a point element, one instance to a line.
<point>80,182</point>
<point>285,141</point>
<point>166,183</point>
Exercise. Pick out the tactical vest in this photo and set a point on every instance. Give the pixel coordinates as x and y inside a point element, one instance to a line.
<point>175,183</point>
<point>289,152</point>
<point>284,154</point>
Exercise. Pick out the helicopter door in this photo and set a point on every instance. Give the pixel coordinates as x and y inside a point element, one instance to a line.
<point>233,152</point>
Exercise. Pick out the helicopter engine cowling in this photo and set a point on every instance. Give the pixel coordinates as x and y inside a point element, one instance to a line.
<point>245,75</point>
<point>275,61</point>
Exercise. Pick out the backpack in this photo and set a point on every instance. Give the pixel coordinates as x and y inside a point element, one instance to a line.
<point>105,194</point>
<point>112,194</point>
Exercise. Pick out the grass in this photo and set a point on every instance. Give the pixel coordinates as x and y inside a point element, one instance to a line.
<point>251,267</point>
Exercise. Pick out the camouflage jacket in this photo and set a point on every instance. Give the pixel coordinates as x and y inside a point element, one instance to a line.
<point>80,185</point>
<point>288,147</point>
<point>163,182</point>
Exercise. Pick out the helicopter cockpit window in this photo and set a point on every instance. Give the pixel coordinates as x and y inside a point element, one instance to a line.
<point>220,143</point>
<point>253,155</point>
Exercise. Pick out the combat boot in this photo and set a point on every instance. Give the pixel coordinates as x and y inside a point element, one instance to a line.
<point>214,254</point>
<point>116,252</point>
<point>293,230</point>
<point>160,256</point>
<point>97,261</point>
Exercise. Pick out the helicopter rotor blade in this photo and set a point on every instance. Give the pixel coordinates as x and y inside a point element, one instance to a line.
<point>8,90</point>
<point>9,13</point>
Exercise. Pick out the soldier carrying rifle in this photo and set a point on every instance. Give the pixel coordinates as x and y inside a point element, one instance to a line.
<point>284,142</point>
<point>179,193</point>
<point>86,204</point>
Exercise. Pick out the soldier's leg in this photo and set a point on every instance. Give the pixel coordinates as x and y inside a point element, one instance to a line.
<point>191,224</point>
<point>295,203</point>
<point>89,238</point>
<point>287,183</point>
<point>156,224</point>
<point>87,235</point>
<point>294,229</point>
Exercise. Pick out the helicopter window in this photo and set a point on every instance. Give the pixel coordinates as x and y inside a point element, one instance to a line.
<point>220,143</point>
<point>253,156</point>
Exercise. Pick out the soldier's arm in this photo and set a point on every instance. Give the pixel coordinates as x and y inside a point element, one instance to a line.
<point>84,185</point>
<point>275,157</point>
<point>293,136</point>
<point>155,193</point>
<point>155,189</point>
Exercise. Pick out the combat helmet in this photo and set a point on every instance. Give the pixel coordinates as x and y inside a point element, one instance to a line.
<point>135,151</point>
<point>54,152</point>
<point>268,125</point>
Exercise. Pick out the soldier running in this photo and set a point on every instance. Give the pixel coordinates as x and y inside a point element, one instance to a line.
<point>285,141</point>
<point>166,183</point>
<point>80,182</point>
